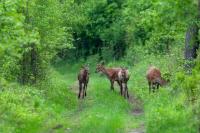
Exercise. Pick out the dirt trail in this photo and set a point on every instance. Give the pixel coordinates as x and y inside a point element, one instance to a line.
<point>137,111</point>
<point>138,130</point>
<point>138,105</point>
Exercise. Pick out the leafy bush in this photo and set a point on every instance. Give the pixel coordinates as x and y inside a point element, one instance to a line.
<point>27,109</point>
<point>168,114</point>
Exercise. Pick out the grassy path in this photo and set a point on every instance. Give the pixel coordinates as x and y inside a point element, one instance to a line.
<point>102,110</point>
<point>105,111</point>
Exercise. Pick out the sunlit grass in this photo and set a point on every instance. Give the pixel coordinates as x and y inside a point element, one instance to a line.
<point>53,106</point>
<point>102,110</point>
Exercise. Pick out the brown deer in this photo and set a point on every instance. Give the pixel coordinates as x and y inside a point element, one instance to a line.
<point>124,76</point>
<point>154,78</point>
<point>113,75</point>
<point>83,78</point>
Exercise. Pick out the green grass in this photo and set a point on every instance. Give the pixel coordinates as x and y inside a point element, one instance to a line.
<point>52,106</point>
<point>102,110</point>
<point>54,103</point>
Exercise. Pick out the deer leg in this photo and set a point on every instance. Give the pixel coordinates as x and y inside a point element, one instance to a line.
<point>86,86</point>
<point>149,87</point>
<point>84,89</point>
<point>80,86</point>
<point>121,88</point>
<point>120,85</point>
<point>112,83</point>
<point>127,91</point>
<point>157,86</point>
<point>124,91</point>
<point>154,87</point>
<point>127,94</point>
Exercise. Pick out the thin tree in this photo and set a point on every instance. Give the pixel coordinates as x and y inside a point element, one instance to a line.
<point>192,42</point>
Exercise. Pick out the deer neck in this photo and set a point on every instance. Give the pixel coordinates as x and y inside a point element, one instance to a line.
<point>104,71</point>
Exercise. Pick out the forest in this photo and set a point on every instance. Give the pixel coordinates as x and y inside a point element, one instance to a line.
<point>47,46</point>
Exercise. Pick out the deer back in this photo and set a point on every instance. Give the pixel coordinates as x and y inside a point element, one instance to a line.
<point>83,74</point>
<point>153,74</point>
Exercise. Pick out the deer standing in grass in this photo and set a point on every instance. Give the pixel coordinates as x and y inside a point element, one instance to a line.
<point>115,74</point>
<point>123,77</point>
<point>83,78</point>
<point>154,78</point>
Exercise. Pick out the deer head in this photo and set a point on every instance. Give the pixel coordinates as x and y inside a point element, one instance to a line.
<point>100,67</point>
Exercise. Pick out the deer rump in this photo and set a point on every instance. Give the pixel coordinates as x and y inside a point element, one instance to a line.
<point>120,75</point>
<point>123,77</point>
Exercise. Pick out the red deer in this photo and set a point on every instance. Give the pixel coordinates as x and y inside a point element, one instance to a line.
<point>154,78</point>
<point>123,76</point>
<point>113,75</point>
<point>83,78</point>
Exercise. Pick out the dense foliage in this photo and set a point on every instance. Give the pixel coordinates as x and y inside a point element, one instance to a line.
<point>32,33</point>
<point>110,27</point>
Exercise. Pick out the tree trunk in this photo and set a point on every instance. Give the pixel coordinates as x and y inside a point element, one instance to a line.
<point>24,69</point>
<point>191,42</point>
<point>33,63</point>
